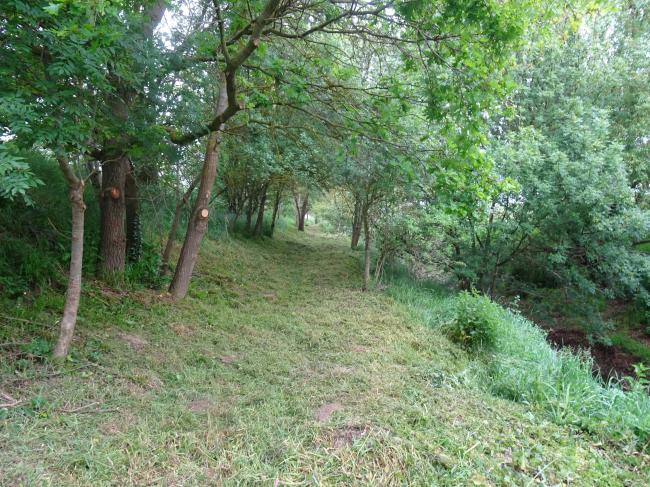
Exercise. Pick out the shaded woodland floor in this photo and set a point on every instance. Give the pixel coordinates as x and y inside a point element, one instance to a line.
<point>276,370</point>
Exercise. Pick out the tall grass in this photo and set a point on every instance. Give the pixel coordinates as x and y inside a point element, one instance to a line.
<point>519,364</point>
<point>522,366</point>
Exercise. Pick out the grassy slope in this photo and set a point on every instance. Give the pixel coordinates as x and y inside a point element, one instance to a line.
<point>227,387</point>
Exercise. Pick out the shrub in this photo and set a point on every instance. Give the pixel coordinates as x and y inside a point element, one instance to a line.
<point>475,323</point>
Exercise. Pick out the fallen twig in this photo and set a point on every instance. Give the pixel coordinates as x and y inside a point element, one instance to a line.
<point>23,320</point>
<point>98,411</point>
<point>13,344</point>
<point>77,409</point>
<point>51,375</point>
<point>12,402</point>
<point>84,409</point>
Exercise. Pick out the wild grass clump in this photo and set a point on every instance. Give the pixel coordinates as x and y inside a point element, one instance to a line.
<point>513,360</point>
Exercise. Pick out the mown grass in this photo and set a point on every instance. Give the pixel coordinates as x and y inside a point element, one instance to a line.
<point>224,388</point>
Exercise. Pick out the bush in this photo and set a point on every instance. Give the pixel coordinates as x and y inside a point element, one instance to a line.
<point>476,322</point>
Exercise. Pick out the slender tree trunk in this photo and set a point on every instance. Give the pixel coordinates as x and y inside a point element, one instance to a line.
<point>234,208</point>
<point>112,247</point>
<point>366,250</point>
<point>379,268</point>
<point>259,224</point>
<point>356,224</point>
<point>198,221</point>
<point>276,207</point>
<point>73,293</point>
<point>249,213</point>
<point>133,230</point>
<point>303,213</point>
<point>302,205</point>
<point>234,220</point>
<point>297,205</point>
<point>174,228</point>
<point>95,178</point>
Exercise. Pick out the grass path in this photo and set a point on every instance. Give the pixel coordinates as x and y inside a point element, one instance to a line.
<point>276,370</point>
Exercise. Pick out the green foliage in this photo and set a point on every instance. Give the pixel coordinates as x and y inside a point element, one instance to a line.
<point>526,368</point>
<point>560,206</point>
<point>16,178</point>
<point>34,249</point>
<point>38,348</point>
<point>476,322</point>
<point>521,366</point>
<point>146,270</point>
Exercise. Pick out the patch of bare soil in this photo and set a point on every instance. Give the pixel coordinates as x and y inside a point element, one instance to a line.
<point>115,427</point>
<point>326,410</point>
<point>640,336</point>
<point>136,342</point>
<point>112,294</point>
<point>200,405</point>
<point>183,330</point>
<point>342,370</point>
<point>228,359</point>
<point>343,437</point>
<point>270,296</point>
<point>610,361</point>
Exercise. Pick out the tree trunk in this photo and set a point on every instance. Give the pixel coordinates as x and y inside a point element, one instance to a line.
<point>379,268</point>
<point>276,207</point>
<point>303,213</point>
<point>198,221</point>
<point>73,293</point>
<point>233,222</point>
<point>95,178</point>
<point>249,213</point>
<point>366,251</point>
<point>259,224</point>
<point>112,243</point>
<point>356,224</point>
<point>112,247</point>
<point>302,205</point>
<point>133,230</point>
<point>234,207</point>
<point>174,228</point>
<point>297,213</point>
